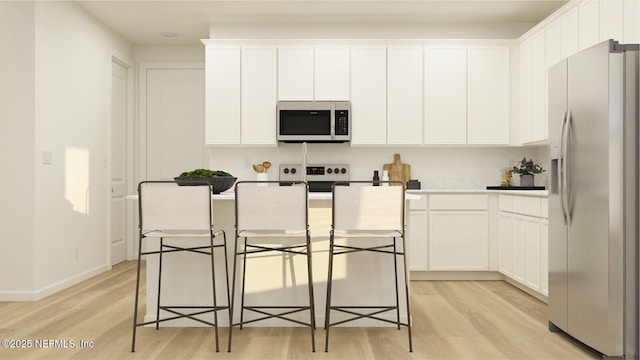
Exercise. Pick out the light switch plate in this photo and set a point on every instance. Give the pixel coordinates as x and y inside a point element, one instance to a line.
<point>46,157</point>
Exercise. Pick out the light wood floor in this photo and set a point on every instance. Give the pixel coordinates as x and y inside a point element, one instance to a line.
<point>452,320</point>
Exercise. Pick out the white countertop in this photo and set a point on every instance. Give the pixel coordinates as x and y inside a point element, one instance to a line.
<point>539,193</point>
<point>230,195</point>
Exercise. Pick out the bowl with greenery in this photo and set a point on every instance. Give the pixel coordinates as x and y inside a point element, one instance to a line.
<point>527,169</point>
<point>220,180</point>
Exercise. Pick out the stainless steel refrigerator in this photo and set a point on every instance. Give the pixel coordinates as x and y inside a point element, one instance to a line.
<point>593,198</point>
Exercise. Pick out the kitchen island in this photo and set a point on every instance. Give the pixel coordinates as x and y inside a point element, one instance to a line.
<point>275,278</point>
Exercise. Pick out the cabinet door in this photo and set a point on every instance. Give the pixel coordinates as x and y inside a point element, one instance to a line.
<point>404,94</point>
<point>369,95</point>
<point>458,240</point>
<point>488,95</point>
<point>631,21</point>
<point>259,95</point>
<point>525,91</point>
<point>445,95</point>
<point>533,232</point>
<point>570,37</point>
<point>295,73</point>
<point>538,87</point>
<point>418,240</point>
<point>612,20</point>
<point>519,258</point>
<point>553,39</point>
<point>222,81</point>
<point>505,243</point>
<point>544,257</point>
<point>331,75</point>
<point>589,23</point>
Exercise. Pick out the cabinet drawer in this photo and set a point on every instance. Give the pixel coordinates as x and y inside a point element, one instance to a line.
<point>458,202</point>
<point>418,204</point>
<point>545,208</point>
<point>505,203</point>
<point>527,205</point>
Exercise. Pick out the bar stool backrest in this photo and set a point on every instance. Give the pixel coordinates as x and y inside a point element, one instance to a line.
<point>368,208</point>
<point>167,206</point>
<point>271,207</point>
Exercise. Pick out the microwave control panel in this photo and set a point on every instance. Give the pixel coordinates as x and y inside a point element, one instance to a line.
<point>342,122</point>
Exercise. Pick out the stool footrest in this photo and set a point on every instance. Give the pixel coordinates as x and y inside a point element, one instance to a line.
<point>282,315</point>
<point>358,315</point>
<point>180,315</point>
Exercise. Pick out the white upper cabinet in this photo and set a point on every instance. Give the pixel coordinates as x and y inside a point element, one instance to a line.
<point>404,95</point>
<point>369,95</point>
<point>612,20</point>
<point>538,87</point>
<point>331,75</point>
<point>445,95</point>
<point>259,95</point>
<point>589,23</point>
<point>488,95</point>
<point>525,91</point>
<point>295,73</point>
<point>570,38</point>
<point>222,81</point>
<point>631,21</point>
<point>554,42</point>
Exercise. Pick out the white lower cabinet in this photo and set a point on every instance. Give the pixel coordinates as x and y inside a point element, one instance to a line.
<point>458,232</point>
<point>458,240</point>
<point>523,241</point>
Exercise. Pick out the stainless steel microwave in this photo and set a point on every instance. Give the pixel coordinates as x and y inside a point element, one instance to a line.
<point>313,121</point>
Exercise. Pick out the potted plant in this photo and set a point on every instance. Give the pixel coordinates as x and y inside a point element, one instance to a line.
<point>527,169</point>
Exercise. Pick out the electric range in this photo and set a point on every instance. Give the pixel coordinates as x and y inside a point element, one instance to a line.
<point>320,177</point>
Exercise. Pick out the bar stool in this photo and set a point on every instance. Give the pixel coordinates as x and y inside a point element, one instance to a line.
<point>368,212</point>
<point>266,210</point>
<point>169,211</point>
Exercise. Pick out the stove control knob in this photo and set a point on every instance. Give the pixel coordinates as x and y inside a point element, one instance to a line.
<point>336,170</point>
<point>293,170</point>
<point>286,170</point>
<point>343,171</point>
<point>329,171</point>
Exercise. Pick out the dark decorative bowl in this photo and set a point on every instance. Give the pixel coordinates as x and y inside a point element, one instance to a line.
<point>219,183</point>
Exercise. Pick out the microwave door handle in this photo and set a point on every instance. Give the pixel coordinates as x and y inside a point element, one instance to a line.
<point>332,120</point>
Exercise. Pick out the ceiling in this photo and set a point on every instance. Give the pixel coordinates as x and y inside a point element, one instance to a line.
<point>142,22</point>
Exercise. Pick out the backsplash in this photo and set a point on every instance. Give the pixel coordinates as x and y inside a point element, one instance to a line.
<point>435,168</point>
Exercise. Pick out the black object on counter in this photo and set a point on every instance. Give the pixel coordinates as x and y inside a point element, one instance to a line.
<point>516,188</point>
<point>376,178</point>
<point>413,185</point>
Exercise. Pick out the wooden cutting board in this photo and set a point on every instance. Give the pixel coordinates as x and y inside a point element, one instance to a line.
<point>398,171</point>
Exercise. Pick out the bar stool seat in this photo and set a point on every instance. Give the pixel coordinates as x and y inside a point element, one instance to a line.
<point>365,212</point>
<point>281,213</point>
<point>168,211</point>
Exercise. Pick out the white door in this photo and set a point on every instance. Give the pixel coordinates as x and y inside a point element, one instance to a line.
<point>119,98</point>
<point>175,122</point>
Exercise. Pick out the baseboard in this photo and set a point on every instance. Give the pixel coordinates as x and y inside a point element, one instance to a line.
<point>53,288</point>
<point>528,290</point>
<point>456,275</point>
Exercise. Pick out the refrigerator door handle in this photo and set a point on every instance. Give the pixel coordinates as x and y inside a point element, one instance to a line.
<point>562,167</point>
<point>566,176</point>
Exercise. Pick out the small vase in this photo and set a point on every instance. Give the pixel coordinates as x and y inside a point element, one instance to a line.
<point>262,177</point>
<point>526,180</point>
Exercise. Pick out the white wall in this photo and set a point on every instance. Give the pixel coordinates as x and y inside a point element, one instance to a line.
<point>436,168</point>
<point>70,73</point>
<point>17,144</point>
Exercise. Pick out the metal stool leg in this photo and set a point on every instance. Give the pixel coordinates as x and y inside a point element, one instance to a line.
<point>327,322</point>
<point>135,306</point>
<point>406,289</point>
<point>233,291</point>
<point>312,313</point>
<point>159,284</point>
<point>215,302</point>
<point>395,269</point>
<point>244,276</point>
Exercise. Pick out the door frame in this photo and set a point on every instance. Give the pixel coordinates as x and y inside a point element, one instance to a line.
<point>129,233</point>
